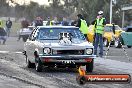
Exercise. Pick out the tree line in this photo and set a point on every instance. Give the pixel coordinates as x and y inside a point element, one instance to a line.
<point>88,8</point>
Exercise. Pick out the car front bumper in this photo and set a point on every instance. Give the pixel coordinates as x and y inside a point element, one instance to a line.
<point>67,59</point>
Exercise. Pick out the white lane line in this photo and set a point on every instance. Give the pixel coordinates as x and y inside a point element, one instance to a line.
<point>18,52</point>
<point>4,51</point>
<point>10,52</point>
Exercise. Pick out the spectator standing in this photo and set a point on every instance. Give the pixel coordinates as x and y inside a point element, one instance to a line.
<point>8,26</point>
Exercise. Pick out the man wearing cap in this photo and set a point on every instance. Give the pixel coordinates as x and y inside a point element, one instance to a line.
<point>82,24</point>
<point>99,31</point>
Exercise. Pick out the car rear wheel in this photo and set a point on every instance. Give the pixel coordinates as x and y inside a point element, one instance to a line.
<point>106,43</point>
<point>89,66</point>
<point>117,43</point>
<point>38,65</point>
<point>129,46</point>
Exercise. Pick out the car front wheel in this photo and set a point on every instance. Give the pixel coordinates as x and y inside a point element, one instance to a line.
<point>89,66</point>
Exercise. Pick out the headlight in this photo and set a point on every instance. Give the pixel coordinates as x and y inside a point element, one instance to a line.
<point>47,50</point>
<point>89,51</point>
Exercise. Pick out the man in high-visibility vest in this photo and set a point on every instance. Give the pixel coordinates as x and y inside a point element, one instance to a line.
<point>82,24</point>
<point>99,31</point>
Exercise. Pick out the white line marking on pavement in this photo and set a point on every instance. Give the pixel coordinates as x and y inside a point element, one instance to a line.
<point>18,52</point>
<point>10,52</point>
<point>4,51</point>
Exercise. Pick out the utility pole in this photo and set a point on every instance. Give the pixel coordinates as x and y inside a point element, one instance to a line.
<point>123,18</point>
<point>111,5</point>
<point>110,11</point>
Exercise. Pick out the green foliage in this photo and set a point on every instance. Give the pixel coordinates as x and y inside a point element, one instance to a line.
<point>89,9</point>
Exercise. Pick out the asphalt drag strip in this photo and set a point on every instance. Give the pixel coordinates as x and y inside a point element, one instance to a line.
<point>13,65</point>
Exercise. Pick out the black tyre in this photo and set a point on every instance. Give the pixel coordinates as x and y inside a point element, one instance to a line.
<point>89,66</point>
<point>29,64</point>
<point>38,65</point>
<point>117,43</point>
<point>129,46</point>
<point>106,43</point>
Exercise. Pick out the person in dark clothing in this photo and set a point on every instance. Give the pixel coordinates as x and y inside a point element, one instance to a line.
<point>79,20</point>
<point>82,24</point>
<point>8,26</point>
<point>113,28</point>
<point>73,23</point>
<point>3,35</point>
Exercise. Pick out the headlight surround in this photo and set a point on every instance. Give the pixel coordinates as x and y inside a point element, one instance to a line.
<point>47,50</point>
<point>89,51</point>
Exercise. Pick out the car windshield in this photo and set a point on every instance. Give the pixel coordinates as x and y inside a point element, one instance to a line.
<point>109,28</point>
<point>53,33</point>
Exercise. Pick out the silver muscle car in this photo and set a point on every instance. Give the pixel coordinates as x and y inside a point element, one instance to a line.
<point>58,46</point>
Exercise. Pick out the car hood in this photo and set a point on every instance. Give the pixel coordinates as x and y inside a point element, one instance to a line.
<point>76,43</point>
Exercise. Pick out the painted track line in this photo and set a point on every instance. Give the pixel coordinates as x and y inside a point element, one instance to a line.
<point>5,52</point>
